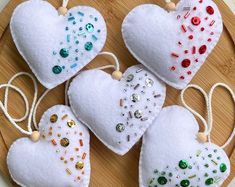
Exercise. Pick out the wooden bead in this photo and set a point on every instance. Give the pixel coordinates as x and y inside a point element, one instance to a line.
<point>202,137</point>
<point>35,136</point>
<point>170,6</point>
<point>62,10</point>
<point>117,75</point>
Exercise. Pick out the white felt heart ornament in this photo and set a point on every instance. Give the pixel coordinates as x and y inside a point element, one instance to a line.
<point>60,158</point>
<point>117,112</point>
<point>172,156</point>
<point>174,45</point>
<point>57,47</point>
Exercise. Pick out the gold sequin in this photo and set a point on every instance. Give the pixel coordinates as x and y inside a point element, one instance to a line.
<point>79,165</point>
<point>64,142</point>
<point>53,118</point>
<point>71,123</point>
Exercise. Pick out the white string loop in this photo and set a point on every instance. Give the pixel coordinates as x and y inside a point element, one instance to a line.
<point>117,64</point>
<point>204,122</point>
<point>208,98</point>
<point>65,3</point>
<point>29,129</point>
<point>210,111</point>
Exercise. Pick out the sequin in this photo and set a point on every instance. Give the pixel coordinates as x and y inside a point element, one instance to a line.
<point>210,10</point>
<point>183,164</point>
<point>64,52</point>
<point>129,78</point>
<point>185,183</point>
<point>53,118</point>
<point>89,27</point>
<point>79,165</point>
<point>120,127</point>
<point>223,167</point>
<point>162,180</point>
<point>57,69</point>
<point>88,46</point>
<point>185,63</point>
<point>138,114</point>
<point>149,82</point>
<point>64,142</point>
<point>209,181</point>
<point>202,49</point>
<point>135,98</point>
<point>71,123</point>
<point>196,20</point>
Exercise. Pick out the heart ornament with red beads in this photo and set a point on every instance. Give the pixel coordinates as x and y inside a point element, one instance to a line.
<point>174,45</point>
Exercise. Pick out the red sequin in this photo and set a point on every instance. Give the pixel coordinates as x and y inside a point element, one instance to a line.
<point>210,10</point>
<point>196,20</point>
<point>202,49</point>
<point>173,68</point>
<point>190,37</point>
<point>209,40</point>
<point>185,63</point>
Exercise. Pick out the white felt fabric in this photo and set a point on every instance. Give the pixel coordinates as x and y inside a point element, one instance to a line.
<point>154,37</point>
<point>102,103</point>
<point>40,33</point>
<point>40,165</point>
<point>171,138</point>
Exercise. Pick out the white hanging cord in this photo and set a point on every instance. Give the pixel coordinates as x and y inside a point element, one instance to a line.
<point>36,107</point>
<point>205,124</point>
<point>27,105</point>
<point>66,92</point>
<point>117,64</point>
<point>27,132</point>
<point>65,3</point>
<point>210,95</point>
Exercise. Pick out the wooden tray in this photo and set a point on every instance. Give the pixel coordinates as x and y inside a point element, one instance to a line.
<point>109,169</point>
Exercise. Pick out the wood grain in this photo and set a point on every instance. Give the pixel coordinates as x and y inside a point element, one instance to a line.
<point>108,169</point>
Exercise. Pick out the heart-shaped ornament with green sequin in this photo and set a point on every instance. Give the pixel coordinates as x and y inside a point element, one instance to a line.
<point>57,47</point>
<point>172,156</point>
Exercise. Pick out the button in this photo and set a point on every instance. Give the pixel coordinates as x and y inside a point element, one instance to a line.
<point>185,63</point>
<point>202,49</point>
<point>210,10</point>
<point>196,20</point>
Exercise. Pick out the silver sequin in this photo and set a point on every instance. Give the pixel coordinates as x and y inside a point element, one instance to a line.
<point>135,98</point>
<point>138,114</point>
<point>130,78</point>
<point>120,127</point>
<point>149,82</point>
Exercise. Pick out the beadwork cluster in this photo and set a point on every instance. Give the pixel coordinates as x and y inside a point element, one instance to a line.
<point>139,101</point>
<point>189,171</point>
<point>59,131</point>
<point>81,34</point>
<point>198,25</point>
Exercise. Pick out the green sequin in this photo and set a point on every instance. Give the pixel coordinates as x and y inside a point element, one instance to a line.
<point>89,27</point>
<point>209,181</point>
<point>56,69</point>
<point>223,167</point>
<point>64,52</point>
<point>88,46</point>
<point>185,183</point>
<point>183,164</point>
<point>162,180</point>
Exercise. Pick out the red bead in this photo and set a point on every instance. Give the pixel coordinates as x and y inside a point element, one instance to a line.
<point>202,29</point>
<point>210,10</point>
<point>196,20</point>
<point>190,37</point>
<point>185,63</point>
<point>196,60</point>
<point>189,72</point>
<point>202,49</point>
<point>209,40</point>
<point>186,51</point>
<point>194,8</point>
<point>173,68</point>
<point>182,77</point>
